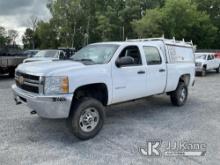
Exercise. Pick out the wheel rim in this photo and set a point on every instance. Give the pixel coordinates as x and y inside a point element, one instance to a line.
<point>89,119</point>
<point>183,95</point>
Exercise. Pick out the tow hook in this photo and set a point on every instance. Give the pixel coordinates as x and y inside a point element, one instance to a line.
<point>33,112</point>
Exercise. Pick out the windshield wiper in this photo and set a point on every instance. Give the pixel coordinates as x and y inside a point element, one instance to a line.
<point>84,59</point>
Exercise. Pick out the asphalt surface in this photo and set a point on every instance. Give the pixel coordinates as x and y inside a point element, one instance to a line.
<point>28,139</point>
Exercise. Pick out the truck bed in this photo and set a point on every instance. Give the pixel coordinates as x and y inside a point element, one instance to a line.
<point>11,61</point>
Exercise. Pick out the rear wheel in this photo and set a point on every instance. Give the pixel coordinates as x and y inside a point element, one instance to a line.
<point>218,69</point>
<point>179,96</point>
<point>86,118</point>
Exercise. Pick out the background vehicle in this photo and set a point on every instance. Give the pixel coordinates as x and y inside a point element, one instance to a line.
<point>68,51</point>
<point>30,53</point>
<point>10,58</point>
<point>103,74</point>
<point>46,55</point>
<point>217,55</point>
<point>207,62</point>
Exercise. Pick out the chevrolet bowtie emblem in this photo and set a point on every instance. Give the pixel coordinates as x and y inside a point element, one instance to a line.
<point>21,80</point>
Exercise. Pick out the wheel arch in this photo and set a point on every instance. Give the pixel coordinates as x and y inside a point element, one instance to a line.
<point>98,91</point>
<point>185,78</point>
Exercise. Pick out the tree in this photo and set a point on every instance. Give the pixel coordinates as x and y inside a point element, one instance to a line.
<point>12,34</point>
<point>47,36</point>
<point>3,37</point>
<point>212,7</point>
<point>29,39</point>
<point>75,23</point>
<point>151,25</point>
<point>180,19</point>
<point>33,21</point>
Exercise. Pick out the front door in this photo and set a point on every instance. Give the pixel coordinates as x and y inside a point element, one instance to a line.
<point>129,82</point>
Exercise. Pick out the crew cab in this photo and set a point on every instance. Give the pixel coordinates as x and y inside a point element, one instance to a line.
<point>207,62</point>
<point>103,74</point>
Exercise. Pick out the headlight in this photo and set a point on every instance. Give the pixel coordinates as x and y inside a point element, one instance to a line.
<point>56,85</point>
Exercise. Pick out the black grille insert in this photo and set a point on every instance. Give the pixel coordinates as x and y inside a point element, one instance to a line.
<point>30,83</point>
<point>27,76</point>
<point>28,88</point>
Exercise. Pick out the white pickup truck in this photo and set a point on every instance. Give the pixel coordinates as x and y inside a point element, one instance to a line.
<point>206,62</point>
<point>103,74</point>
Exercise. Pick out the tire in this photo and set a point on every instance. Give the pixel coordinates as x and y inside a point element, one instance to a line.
<point>180,95</point>
<point>86,118</point>
<point>203,73</point>
<point>218,69</point>
<point>11,72</point>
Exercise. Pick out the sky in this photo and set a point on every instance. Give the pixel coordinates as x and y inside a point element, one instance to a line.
<point>16,14</point>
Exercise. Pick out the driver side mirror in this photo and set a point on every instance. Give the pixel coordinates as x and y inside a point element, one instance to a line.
<point>124,61</point>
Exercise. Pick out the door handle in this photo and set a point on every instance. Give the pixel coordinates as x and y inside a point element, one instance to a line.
<point>141,72</point>
<point>162,70</point>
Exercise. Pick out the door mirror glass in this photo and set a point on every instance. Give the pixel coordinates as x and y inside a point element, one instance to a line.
<point>125,61</point>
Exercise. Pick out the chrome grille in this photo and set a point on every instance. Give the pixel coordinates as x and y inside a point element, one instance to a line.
<point>30,83</point>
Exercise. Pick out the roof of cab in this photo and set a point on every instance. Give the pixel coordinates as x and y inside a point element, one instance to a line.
<point>151,41</point>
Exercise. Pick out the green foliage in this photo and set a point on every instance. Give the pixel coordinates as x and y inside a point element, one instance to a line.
<point>151,25</point>
<point>47,35</point>
<point>28,39</point>
<point>3,38</point>
<point>6,39</point>
<point>212,7</point>
<point>180,19</point>
<point>75,23</point>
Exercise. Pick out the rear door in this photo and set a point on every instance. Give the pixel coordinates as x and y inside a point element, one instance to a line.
<point>156,70</point>
<point>210,62</point>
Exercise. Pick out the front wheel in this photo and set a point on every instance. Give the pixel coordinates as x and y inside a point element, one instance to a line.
<point>203,73</point>
<point>86,118</point>
<point>11,72</point>
<point>179,96</point>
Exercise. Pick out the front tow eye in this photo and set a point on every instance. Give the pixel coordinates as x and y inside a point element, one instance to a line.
<point>33,112</point>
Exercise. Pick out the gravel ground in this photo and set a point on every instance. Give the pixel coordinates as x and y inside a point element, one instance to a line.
<point>28,139</point>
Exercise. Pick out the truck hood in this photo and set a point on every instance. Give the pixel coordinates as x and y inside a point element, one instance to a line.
<point>45,68</point>
<point>38,59</point>
<point>200,60</point>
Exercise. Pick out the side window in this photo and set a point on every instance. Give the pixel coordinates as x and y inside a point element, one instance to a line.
<point>152,55</point>
<point>133,52</point>
<point>209,57</point>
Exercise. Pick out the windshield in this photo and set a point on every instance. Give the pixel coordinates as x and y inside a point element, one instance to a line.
<point>48,53</point>
<point>201,57</point>
<point>95,54</point>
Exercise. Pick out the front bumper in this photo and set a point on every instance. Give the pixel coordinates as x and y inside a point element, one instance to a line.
<point>199,69</point>
<point>53,107</point>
